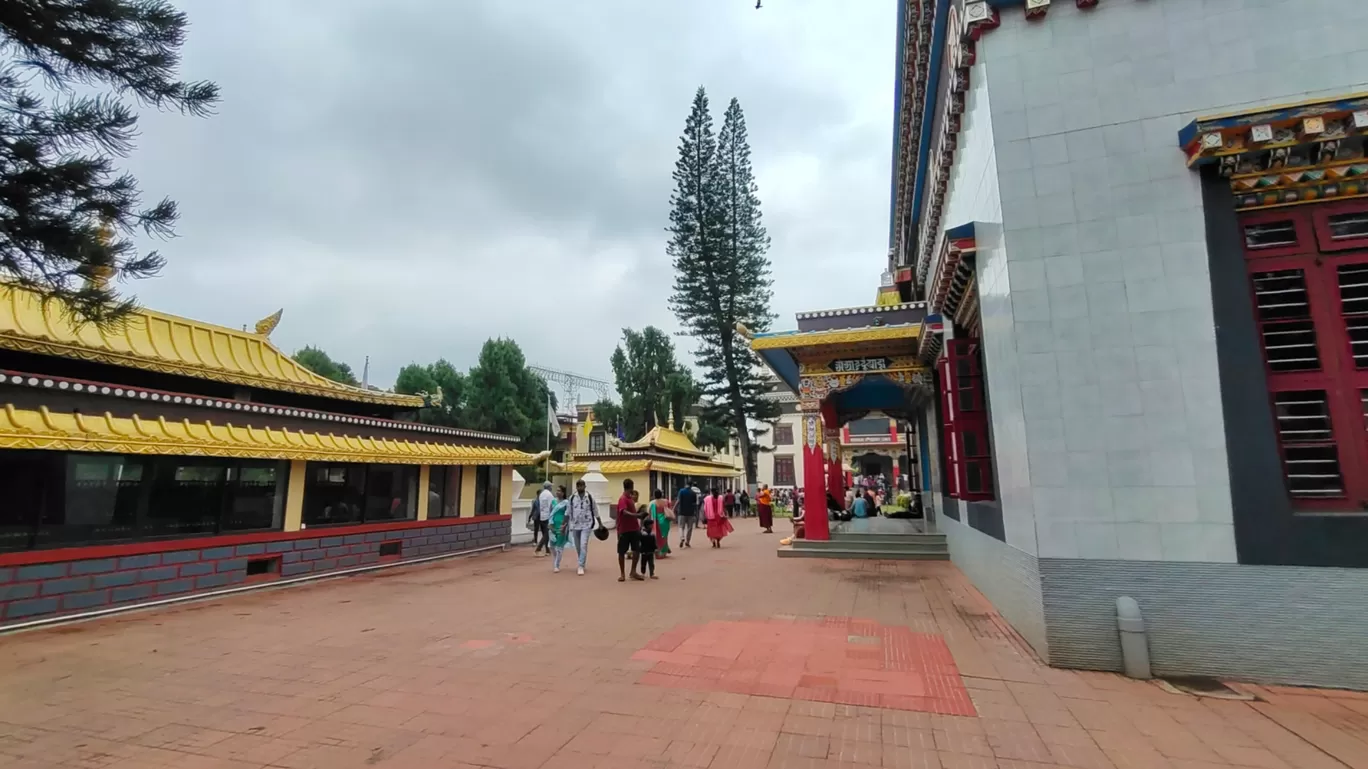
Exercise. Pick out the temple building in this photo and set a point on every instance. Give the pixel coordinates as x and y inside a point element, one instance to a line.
<point>662,459</point>
<point>164,456</point>
<point>1140,231</point>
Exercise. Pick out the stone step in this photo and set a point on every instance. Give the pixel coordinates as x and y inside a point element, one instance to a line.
<point>910,539</point>
<point>788,551</point>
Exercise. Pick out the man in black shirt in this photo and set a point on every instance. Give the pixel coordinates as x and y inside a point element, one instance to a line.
<point>686,512</point>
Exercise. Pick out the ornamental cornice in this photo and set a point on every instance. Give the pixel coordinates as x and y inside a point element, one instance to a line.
<point>917,34</point>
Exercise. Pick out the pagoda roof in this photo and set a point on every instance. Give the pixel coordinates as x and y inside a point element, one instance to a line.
<point>169,344</point>
<point>48,430</point>
<point>664,439</point>
<point>675,467</point>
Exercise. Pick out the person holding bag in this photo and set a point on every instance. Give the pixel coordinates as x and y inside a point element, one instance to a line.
<point>582,518</point>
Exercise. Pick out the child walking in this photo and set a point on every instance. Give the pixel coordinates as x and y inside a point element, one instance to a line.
<point>648,548</point>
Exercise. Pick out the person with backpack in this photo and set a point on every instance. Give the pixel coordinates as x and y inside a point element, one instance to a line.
<point>686,513</point>
<point>581,519</point>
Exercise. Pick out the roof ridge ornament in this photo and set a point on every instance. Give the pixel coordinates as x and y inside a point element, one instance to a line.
<point>266,325</point>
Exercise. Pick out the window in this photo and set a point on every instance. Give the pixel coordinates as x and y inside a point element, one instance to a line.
<point>487,486</point>
<point>783,471</point>
<point>354,493</point>
<point>597,442</point>
<point>1311,309</point>
<point>444,492</point>
<point>56,499</point>
<point>783,435</point>
<point>968,455</point>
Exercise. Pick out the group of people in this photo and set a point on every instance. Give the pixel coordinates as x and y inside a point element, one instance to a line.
<point>643,530</point>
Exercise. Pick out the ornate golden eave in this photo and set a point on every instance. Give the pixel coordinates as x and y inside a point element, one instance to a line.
<point>169,344</point>
<point>47,430</point>
<point>842,336</point>
<point>665,439</point>
<point>625,466</point>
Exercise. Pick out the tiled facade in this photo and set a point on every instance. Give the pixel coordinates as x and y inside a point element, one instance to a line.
<point>1099,339</point>
<point>72,586</point>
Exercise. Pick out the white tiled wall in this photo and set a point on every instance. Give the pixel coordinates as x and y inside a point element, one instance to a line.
<point>1098,333</point>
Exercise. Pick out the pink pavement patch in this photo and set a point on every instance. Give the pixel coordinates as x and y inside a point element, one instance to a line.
<point>834,659</point>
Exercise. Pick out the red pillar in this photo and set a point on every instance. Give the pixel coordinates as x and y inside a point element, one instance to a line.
<point>814,479</point>
<point>836,476</point>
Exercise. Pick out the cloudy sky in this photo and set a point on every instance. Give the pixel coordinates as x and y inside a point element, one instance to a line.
<point>407,178</point>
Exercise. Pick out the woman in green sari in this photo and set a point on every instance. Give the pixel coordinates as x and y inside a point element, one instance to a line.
<point>560,529</point>
<point>663,516</point>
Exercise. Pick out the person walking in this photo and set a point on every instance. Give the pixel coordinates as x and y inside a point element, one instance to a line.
<point>743,501</point>
<point>559,526</point>
<point>765,509</point>
<point>662,515</point>
<point>542,535</point>
<point>582,519</point>
<point>628,531</point>
<point>716,515</point>
<point>686,513</point>
<point>729,503</point>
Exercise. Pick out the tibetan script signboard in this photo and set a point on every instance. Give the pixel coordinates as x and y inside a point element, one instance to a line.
<point>856,365</point>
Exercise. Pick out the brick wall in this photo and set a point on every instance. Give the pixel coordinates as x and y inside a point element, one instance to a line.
<point>33,591</point>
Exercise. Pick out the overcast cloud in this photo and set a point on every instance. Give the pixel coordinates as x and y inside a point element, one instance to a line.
<point>407,178</point>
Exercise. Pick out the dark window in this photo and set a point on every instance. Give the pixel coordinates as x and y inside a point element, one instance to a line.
<point>355,493</point>
<point>1311,306</point>
<point>968,455</point>
<point>876,426</point>
<point>444,492</point>
<point>54,499</point>
<point>783,471</point>
<point>783,435</point>
<point>597,442</point>
<point>487,485</point>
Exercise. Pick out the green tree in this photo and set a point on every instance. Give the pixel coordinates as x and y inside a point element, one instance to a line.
<point>65,212</point>
<point>441,384</point>
<point>503,396</point>
<point>607,414</point>
<point>321,364</point>
<point>647,376</point>
<point>722,274</point>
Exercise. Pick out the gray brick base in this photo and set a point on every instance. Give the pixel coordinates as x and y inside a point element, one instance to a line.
<point>33,591</point>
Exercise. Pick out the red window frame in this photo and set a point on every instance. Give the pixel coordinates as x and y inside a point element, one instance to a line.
<point>783,435</point>
<point>1321,217</point>
<point>1338,376</point>
<point>781,479</point>
<point>1303,233</point>
<point>964,413</point>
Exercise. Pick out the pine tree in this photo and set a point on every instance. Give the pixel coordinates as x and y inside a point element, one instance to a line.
<point>65,212</point>
<point>722,273</point>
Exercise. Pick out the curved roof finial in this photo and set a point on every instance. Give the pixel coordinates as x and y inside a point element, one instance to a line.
<point>266,325</point>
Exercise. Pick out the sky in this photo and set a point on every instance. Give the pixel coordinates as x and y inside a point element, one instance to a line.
<point>408,178</point>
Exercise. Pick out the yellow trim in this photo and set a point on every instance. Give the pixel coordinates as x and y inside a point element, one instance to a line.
<point>1280,107</point>
<point>840,336</point>
<point>424,483</point>
<point>168,344</point>
<point>294,495</point>
<point>43,429</point>
<point>629,466</point>
<point>664,438</point>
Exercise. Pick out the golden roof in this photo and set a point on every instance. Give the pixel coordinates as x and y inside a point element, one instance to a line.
<point>624,466</point>
<point>43,429</point>
<point>791,339</point>
<point>661,437</point>
<point>169,344</point>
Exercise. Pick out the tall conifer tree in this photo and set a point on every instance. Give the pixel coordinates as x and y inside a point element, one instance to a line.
<point>722,273</point>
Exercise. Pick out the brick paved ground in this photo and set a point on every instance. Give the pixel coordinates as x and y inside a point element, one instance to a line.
<point>495,662</point>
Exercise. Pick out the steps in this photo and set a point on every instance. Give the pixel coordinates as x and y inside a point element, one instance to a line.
<point>895,547</point>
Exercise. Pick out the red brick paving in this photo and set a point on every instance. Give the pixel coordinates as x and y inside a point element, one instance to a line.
<point>834,659</point>
<point>495,662</point>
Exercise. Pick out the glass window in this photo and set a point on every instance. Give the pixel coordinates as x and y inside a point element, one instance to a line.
<point>444,492</point>
<point>354,493</point>
<point>783,471</point>
<point>487,483</point>
<point>597,442</point>
<point>783,435</point>
<point>55,499</point>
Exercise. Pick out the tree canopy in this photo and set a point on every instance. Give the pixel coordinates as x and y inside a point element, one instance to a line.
<point>650,382</point>
<point>722,274</point>
<point>442,387</point>
<point>66,213</point>
<point>317,361</point>
<point>503,396</point>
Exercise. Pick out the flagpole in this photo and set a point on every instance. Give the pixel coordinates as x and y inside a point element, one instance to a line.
<point>549,413</point>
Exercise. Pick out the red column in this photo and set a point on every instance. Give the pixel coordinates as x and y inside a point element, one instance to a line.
<point>814,479</point>
<point>836,476</point>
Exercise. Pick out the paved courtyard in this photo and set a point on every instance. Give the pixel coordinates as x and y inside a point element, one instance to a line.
<point>732,659</point>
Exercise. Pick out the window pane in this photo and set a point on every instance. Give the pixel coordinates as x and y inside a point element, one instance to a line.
<point>1270,235</point>
<point>1353,287</point>
<point>334,494</point>
<point>596,442</point>
<point>93,498</point>
<point>1349,226</point>
<point>1284,311</point>
<point>783,471</point>
<point>487,480</point>
<point>391,492</point>
<point>22,477</point>
<point>187,496</point>
<point>1310,456</point>
<point>783,435</point>
<point>256,496</point>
